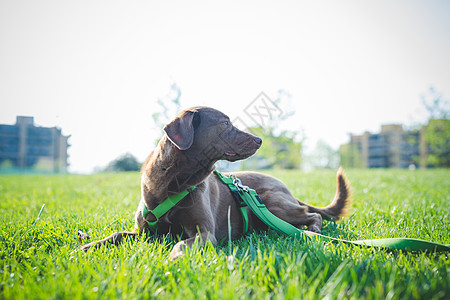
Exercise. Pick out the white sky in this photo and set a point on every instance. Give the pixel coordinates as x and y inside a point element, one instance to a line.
<point>96,68</point>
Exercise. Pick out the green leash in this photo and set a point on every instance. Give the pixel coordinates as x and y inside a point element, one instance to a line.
<point>252,200</point>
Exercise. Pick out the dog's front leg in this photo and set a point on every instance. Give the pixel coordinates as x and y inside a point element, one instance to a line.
<point>114,239</point>
<point>180,248</point>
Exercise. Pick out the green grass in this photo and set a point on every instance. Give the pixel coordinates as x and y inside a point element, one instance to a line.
<point>37,263</point>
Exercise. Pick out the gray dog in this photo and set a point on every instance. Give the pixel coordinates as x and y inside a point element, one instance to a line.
<point>185,157</point>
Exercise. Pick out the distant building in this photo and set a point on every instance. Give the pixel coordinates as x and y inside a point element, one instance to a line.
<point>25,146</point>
<point>393,147</point>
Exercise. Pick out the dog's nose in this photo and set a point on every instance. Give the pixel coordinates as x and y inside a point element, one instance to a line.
<point>258,141</point>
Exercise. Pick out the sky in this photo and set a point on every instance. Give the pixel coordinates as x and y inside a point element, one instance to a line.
<point>97,68</point>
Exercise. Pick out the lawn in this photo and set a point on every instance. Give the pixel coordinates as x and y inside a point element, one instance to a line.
<point>37,260</point>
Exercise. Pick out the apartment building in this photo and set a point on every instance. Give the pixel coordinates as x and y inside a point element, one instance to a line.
<point>392,147</point>
<point>24,146</point>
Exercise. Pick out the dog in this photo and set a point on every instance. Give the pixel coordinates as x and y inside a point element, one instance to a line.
<point>185,156</point>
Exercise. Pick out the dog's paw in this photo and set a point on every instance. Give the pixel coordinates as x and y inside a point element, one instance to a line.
<point>174,255</point>
<point>178,251</point>
<point>314,228</point>
<point>82,236</point>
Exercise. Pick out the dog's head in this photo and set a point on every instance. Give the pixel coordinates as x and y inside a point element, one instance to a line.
<point>204,133</point>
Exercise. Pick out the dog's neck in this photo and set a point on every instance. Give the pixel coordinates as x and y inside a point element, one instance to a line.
<point>169,171</point>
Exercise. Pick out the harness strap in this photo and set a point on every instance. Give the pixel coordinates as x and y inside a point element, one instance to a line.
<point>251,198</point>
<point>165,206</point>
<point>236,192</point>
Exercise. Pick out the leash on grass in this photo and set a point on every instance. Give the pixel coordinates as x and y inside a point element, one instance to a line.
<point>246,196</point>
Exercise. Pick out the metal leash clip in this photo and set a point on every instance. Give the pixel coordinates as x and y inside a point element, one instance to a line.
<point>238,183</point>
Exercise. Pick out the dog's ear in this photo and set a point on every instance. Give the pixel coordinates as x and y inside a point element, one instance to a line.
<point>181,130</point>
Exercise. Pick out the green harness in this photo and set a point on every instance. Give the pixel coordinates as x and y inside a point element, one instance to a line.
<point>247,197</point>
<point>164,207</point>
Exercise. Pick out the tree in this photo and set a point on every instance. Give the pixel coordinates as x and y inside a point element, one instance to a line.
<point>437,138</point>
<point>437,130</point>
<point>280,148</point>
<point>350,156</point>
<point>437,107</point>
<point>323,157</point>
<point>168,107</point>
<point>124,163</point>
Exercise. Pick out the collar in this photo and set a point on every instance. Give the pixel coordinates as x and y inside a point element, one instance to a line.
<point>165,206</point>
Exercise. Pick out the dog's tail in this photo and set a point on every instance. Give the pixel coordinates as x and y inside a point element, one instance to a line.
<point>341,203</point>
